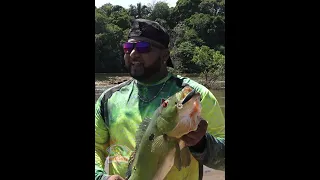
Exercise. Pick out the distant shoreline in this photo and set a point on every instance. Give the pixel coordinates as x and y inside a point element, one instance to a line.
<point>117,78</point>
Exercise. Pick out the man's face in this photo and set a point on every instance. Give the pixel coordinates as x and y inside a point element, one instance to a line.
<point>144,62</point>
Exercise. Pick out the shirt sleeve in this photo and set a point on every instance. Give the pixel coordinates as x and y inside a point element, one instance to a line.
<point>101,139</point>
<point>213,155</point>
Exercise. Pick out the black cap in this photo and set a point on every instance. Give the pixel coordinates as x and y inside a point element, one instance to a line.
<point>151,30</point>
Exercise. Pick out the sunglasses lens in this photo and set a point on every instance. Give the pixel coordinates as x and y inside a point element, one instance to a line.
<point>143,47</point>
<point>127,47</point>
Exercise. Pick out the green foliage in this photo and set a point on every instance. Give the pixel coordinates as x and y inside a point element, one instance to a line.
<point>208,28</point>
<point>196,28</point>
<point>184,9</point>
<point>108,49</point>
<point>139,11</point>
<point>182,33</point>
<point>212,7</point>
<point>210,62</point>
<point>182,55</point>
<point>160,10</point>
<point>120,17</point>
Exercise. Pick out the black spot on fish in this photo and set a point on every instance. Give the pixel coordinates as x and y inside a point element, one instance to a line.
<point>151,137</point>
<point>134,168</point>
<point>165,137</point>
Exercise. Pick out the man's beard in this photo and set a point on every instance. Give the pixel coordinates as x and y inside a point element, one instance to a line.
<point>141,73</point>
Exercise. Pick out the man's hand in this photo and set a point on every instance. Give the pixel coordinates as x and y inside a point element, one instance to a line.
<point>115,177</point>
<point>195,139</point>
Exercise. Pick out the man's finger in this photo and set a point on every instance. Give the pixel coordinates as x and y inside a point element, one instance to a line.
<point>115,177</point>
<point>194,134</point>
<point>188,140</point>
<point>203,123</point>
<point>187,137</point>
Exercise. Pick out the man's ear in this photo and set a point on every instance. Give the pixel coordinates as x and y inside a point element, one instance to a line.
<point>165,55</point>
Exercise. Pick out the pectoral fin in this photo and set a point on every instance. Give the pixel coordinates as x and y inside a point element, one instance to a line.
<point>185,157</point>
<point>177,157</point>
<point>185,154</point>
<point>159,145</point>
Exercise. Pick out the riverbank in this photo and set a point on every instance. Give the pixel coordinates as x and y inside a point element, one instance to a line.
<point>117,79</point>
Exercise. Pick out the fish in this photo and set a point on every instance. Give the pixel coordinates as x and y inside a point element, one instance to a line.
<point>158,140</point>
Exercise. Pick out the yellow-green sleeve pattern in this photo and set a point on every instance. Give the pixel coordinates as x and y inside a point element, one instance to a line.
<point>101,139</point>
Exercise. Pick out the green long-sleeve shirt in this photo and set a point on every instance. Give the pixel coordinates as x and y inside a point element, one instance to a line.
<point>119,111</point>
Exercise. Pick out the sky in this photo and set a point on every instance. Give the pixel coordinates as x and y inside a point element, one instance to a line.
<point>126,3</point>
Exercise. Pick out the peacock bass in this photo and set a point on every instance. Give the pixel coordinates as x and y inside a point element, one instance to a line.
<point>158,143</point>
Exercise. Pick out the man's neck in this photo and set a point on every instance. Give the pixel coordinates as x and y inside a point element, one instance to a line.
<point>155,78</point>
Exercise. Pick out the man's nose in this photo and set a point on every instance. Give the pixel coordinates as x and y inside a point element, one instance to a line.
<point>134,53</point>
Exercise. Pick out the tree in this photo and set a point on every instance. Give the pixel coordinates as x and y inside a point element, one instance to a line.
<point>212,7</point>
<point>105,9</point>
<point>160,10</point>
<point>208,28</point>
<point>184,9</point>
<point>100,22</point>
<point>210,62</point>
<point>108,49</point>
<point>120,17</point>
<point>182,33</point>
<point>139,11</point>
<point>182,56</point>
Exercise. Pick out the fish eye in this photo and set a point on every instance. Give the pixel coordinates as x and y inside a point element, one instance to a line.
<point>165,104</point>
<point>179,106</point>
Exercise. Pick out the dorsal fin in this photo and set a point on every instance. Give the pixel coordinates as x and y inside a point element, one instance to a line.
<point>130,162</point>
<point>141,130</point>
<point>139,135</point>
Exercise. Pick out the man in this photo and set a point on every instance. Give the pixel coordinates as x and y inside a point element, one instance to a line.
<point>120,109</point>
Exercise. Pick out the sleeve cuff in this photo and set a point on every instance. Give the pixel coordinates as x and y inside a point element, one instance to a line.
<point>201,155</point>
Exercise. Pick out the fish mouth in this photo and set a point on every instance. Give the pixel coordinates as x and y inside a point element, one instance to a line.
<point>189,96</point>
